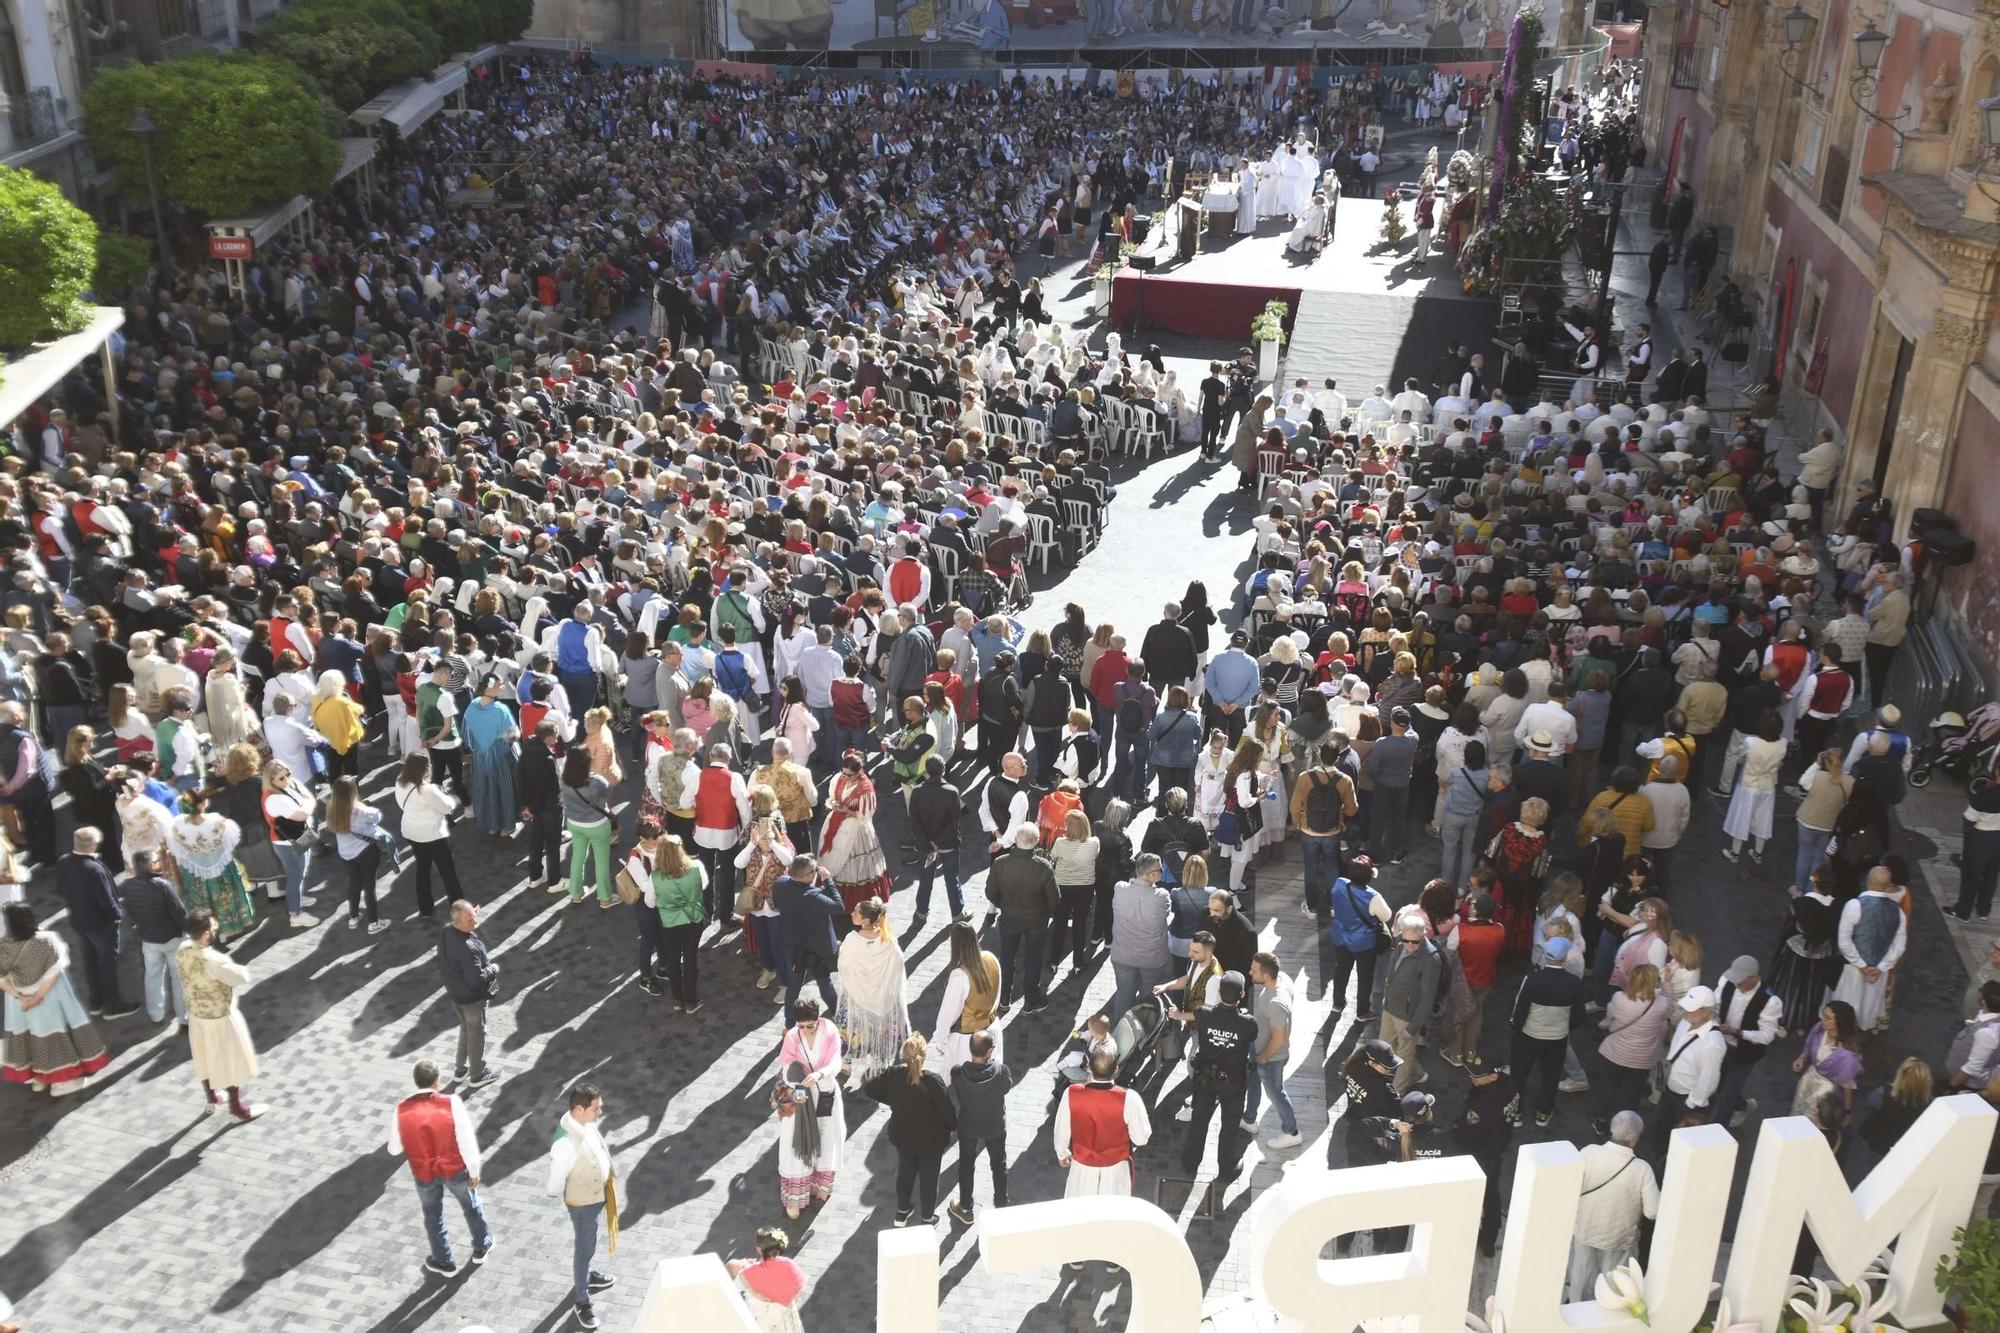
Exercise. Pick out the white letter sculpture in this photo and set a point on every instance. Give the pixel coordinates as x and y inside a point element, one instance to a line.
<point>1915,1197</point>
<point>1292,1223</point>
<point>1547,1178</point>
<point>1134,1234</point>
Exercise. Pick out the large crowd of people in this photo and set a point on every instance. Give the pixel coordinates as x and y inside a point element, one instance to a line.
<point>410,545</point>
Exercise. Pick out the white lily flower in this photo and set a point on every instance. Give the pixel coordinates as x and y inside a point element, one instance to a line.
<point>1623,1291</point>
<point>1814,1302</point>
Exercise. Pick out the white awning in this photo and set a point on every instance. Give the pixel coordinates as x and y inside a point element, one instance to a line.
<point>356,152</point>
<point>27,379</point>
<point>261,227</point>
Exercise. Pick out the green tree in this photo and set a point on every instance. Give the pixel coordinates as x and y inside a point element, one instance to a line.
<point>122,261</point>
<point>353,49</point>
<point>506,20</point>
<point>237,132</point>
<point>48,247</point>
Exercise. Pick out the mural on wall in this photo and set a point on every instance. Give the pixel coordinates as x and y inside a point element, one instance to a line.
<point>1067,25</point>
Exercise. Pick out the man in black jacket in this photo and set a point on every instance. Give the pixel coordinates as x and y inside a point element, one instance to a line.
<point>1168,651</point>
<point>1219,1065</point>
<point>806,903</point>
<point>94,914</point>
<point>979,1091</point>
<point>1235,937</point>
<point>1485,1129</point>
<point>1022,887</point>
<point>157,914</point>
<point>935,809</point>
<point>540,785</point>
<point>470,979</point>
<point>999,711</point>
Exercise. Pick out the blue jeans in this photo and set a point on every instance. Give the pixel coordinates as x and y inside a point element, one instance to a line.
<point>1461,846</point>
<point>1132,983</point>
<point>825,753</point>
<point>163,978</point>
<point>583,1223</point>
<point>946,862</point>
<point>770,949</point>
<point>796,982</point>
<point>1271,1079</point>
<point>100,967</point>
<point>297,862</point>
<point>1389,829</point>
<point>1026,945</point>
<point>1322,865</point>
<point>1812,850</point>
<point>1134,752</point>
<point>431,1194</point>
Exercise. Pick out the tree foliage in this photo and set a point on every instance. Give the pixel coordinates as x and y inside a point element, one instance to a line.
<point>237,132</point>
<point>48,247</point>
<point>353,49</point>
<point>122,261</point>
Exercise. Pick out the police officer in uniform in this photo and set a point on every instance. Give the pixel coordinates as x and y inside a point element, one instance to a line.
<point>1219,1065</point>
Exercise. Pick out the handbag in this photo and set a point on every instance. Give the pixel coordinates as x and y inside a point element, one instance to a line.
<point>1361,910</point>
<point>628,888</point>
<point>823,1104</point>
<point>747,901</point>
<point>1251,818</point>
<point>1228,830</point>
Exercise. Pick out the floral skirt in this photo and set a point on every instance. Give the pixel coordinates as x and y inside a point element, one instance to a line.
<point>225,896</point>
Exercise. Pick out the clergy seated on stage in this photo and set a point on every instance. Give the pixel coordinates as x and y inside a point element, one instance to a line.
<point>1312,231</point>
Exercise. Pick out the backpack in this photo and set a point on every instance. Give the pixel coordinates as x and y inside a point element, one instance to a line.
<point>1131,713</point>
<point>1189,906</point>
<point>1325,809</point>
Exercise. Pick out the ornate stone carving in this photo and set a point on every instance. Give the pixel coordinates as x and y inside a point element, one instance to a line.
<point>1958,338</point>
<point>1938,100</point>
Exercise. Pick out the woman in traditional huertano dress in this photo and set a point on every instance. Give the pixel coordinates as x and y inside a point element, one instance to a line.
<point>874,1013</point>
<point>849,850</point>
<point>204,849</point>
<point>47,1041</point>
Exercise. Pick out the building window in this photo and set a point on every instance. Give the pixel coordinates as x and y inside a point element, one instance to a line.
<point>1687,65</point>
<point>1833,182</point>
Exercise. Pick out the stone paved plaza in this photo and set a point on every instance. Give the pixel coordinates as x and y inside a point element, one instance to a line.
<point>127,1209</point>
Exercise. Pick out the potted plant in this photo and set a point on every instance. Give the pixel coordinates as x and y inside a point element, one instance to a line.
<point>1267,334</point>
<point>1971,1282</point>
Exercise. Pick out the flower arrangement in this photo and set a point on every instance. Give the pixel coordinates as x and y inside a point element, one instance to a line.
<point>1269,325</point>
<point>1536,221</point>
<point>1813,1305</point>
<point>1459,170</point>
<point>1394,228</point>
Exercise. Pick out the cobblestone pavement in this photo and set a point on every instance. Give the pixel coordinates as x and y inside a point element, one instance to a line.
<point>126,1209</point>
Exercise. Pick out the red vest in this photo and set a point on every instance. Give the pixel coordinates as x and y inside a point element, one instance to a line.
<point>1097,1132</point>
<point>714,805</point>
<point>429,1139</point>
<point>281,636</point>
<point>906,581</point>
<point>1791,660</point>
<point>850,705</point>
<point>1829,693</point>
<point>531,717</point>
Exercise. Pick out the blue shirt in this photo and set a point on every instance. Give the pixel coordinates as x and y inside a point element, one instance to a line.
<point>1591,709</point>
<point>1233,678</point>
<point>1465,792</point>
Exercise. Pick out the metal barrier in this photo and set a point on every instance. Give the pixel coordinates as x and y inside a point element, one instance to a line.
<point>1935,671</point>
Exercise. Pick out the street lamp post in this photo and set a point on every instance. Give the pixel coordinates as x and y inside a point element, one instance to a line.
<point>143,128</point>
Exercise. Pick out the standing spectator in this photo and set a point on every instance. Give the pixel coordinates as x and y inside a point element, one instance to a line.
<point>921,1123</point>
<point>1273,1011</point>
<point>1888,626</point>
<point>357,833</point>
<point>1220,1066</point>
<point>1481,940</point>
<point>1979,862</point>
<point>1547,1009</point>
<point>1233,683</point>
<point>581,1175</point>
<point>936,808</point>
<point>1669,798</point>
<point>1141,911</point>
<point>1412,989</point>
<point>1389,766</point>
<point>1098,1126</point>
<point>1618,1193</point>
<point>338,718</point>
<point>979,1093</point>
<point>812,1114</point>
<point>1022,888</point>
<point>48,1040</point>
<point>1073,858</point>
<point>591,827</point>
<point>156,914</point>
<point>1486,1128</point>
<point>471,980</point>
<point>288,810</point>
<point>24,783</point>
<point>1750,1017</point>
<point>218,1038</point>
<point>807,905</point>
<point>772,1283</point>
<point>427,812</point>
<point>1355,935</point>
<point>94,913</point>
<point>678,890</point>
<point>540,793</point>
<point>1692,1072</point>
<point>1635,1030</point>
<point>1463,819</point>
<point>434,1130</point>
<point>1756,791</point>
<point>1323,800</point>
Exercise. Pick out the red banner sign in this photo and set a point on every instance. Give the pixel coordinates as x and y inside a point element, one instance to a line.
<point>230,247</point>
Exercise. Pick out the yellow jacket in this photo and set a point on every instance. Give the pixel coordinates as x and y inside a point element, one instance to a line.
<point>339,720</point>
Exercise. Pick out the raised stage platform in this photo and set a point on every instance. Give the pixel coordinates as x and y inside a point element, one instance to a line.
<point>1360,313</point>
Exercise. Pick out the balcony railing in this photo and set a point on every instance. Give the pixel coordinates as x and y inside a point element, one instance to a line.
<point>32,118</point>
<point>1687,65</point>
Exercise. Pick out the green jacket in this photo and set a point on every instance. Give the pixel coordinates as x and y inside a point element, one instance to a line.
<point>680,900</point>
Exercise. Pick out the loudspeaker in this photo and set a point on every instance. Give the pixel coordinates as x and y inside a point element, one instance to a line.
<point>1143,263</point>
<point>1947,547</point>
<point>1923,520</point>
<point>1142,227</point>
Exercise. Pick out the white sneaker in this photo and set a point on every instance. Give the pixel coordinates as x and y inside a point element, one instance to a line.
<point>1573,1085</point>
<point>558,887</point>
<point>1185,1114</point>
<point>777,997</point>
<point>377,927</point>
<point>1288,1140</point>
<point>300,921</point>
<point>1248,1124</point>
<point>765,978</point>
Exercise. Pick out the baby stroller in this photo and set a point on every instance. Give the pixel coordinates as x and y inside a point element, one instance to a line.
<point>1968,748</point>
<point>1145,1052</point>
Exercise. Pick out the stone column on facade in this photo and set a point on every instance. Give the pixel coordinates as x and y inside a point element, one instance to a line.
<point>1925,434</point>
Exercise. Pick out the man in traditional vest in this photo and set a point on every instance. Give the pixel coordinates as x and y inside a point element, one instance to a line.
<point>1872,935</point>
<point>179,744</point>
<point>721,813</point>
<point>1098,1124</point>
<point>910,579</point>
<point>436,1133</point>
<point>1008,805</point>
<point>577,646</point>
<point>1750,1017</point>
<point>1794,662</point>
<point>580,1174</point>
